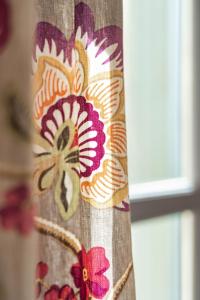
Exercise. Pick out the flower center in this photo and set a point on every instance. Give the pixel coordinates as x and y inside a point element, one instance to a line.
<point>85,274</point>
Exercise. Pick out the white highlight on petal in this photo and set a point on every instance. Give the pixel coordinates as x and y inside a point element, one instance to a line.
<point>86,161</point>
<point>82,168</point>
<point>51,125</point>
<point>89,153</point>
<point>46,47</point>
<point>84,127</point>
<point>48,136</point>
<point>76,109</point>
<point>78,33</point>
<point>82,38</point>
<point>38,149</point>
<point>38,52</point>
<point>53,48</point>
<point>66,109</point>
<point>58,116</point>
<point>82,117</point>
<point>97,62</point>
<point>89,135</point>
<point>88,145</point>
<point>61,56</point>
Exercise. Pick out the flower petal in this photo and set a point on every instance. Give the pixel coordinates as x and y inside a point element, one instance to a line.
<point>123,206</point>
<point>97,261</point>
<point>44,173</point>
<point>76,272</point>
<point>105,95</point>
<point>84,19</point>
<point>50,39</point>
<point>99,286</point>
<point>52,293</point>
<point>117,143</point>
<point>78,74</point>
<point>41,270</point>
<point>50,83</point>
<point>106,188</point>
<point>104,46</point>
<point>17,195</point>
<point>66,293</point>
<point>9,217</point>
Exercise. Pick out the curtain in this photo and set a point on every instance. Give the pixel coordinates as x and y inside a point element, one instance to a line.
<point>17,240</point>
<point>78,170</point>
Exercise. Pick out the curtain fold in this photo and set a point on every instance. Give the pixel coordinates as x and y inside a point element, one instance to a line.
<point>80,180</point>
<point>17,241</point>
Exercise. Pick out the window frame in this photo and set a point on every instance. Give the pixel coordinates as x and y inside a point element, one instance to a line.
<point>161,198</point>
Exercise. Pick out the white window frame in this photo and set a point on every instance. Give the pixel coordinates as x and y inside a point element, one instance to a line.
<point>159,198</point>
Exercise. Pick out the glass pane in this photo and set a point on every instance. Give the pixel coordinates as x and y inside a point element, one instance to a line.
<point>156,251</point>
<point>152,77</point>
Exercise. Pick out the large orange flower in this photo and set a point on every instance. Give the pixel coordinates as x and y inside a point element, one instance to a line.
<point>80,143</point>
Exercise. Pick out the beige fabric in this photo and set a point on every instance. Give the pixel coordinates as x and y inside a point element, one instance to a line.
<point>103,227</point>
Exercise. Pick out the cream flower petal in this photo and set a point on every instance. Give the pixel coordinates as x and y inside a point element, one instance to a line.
<point>116,139</point>
<point>50,84</point>
<point>103,188</point>
<point>78,74</point>
<point>105,95</point>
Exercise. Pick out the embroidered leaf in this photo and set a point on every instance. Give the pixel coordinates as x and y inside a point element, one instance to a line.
<point>67,193</point>
<point>63,139</point>
<point>43,182</point>
<point>63,193</point>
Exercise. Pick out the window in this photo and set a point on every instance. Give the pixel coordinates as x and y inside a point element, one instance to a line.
<point>162,123</point>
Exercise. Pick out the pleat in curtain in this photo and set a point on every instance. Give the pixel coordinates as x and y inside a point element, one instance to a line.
<point>79,180</point>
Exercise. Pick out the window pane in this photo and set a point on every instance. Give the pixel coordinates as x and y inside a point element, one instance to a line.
<point>156,251</point>
<point>152,46</point>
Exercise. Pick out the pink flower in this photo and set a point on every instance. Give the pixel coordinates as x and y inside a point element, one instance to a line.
<point>88,273</point>
<point>17,213</point>
<point>57,293</point>
<point>41,272</point>
<point>4,22</point>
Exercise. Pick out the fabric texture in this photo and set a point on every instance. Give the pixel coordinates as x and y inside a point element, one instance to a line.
<point>75,127</point>
<point>80,164</point>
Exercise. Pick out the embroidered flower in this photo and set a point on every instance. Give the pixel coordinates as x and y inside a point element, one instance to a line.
<point>17,213</point>
<point>41,272</point>
<point>80,144</point>
<point>4,22</point>
<point>57,293</point>
<point>88,273</point>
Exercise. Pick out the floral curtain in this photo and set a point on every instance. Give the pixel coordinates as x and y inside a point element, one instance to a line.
<point>79,164</point>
